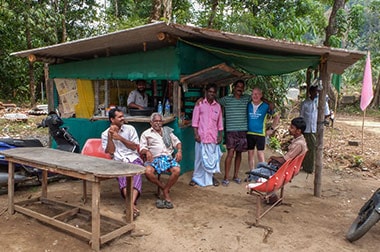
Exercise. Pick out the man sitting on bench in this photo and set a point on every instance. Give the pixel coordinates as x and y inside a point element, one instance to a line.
<point>297,147</point>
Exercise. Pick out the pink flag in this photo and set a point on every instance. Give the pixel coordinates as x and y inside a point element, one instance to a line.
<point>367,92</point>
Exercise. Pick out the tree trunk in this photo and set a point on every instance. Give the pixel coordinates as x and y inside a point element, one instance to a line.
<point>167,10</point>
<point>331,28</point>
<point>116,8</point>
<point>325,76</point>
<point>376,98</point>
<point>32,86</point>
<point>214,6</point>
<point>64,30</point>
<point>156,12</point>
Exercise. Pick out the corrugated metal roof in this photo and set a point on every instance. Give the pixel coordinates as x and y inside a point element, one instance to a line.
<point>150,37</point>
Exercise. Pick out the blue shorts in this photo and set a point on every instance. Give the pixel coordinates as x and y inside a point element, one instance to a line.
<point>162,163</point>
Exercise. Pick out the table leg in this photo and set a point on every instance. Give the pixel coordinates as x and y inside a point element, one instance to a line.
<point>128,200</point>
<point>11,187</point>
<point>44,183</point>
<point>95,239</point>
<point>84,196</point>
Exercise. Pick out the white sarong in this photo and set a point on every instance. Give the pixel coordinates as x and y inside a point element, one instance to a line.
<point>206,163</point>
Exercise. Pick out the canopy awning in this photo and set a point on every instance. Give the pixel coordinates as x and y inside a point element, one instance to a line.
<point>159,35</point>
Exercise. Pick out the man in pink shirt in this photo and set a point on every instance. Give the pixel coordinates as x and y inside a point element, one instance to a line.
<point>207,122</point>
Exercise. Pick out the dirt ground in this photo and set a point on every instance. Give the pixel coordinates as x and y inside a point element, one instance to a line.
<point>218,218</point>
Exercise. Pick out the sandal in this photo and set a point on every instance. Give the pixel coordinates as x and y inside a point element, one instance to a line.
<point>215,182</point>
<point>225,182</point>
<point>192,183</point>
<point>161,204</point>
<point>168,204</point>
<point>237,180</point>
<point>136,213</point>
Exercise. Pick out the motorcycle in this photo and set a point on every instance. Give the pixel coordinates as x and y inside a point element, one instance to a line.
<point>22,173</point>
<point>367,217</point>
<point>64,140</point>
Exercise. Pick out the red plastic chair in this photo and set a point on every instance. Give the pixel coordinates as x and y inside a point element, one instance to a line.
<point>268,189</point>
<point>294,168</point>
<point>298,164</point>
<point>93,147</point>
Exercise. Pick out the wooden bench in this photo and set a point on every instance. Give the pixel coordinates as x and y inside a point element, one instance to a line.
<point>268,189</point>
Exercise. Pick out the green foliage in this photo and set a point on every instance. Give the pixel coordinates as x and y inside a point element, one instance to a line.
<point>358,161</point>
<point>274,143</point>
<point>26,24</point>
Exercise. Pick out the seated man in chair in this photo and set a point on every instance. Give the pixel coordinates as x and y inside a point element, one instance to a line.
<point>121,141</point>
<point>297,147</point>
<point>157,144</point>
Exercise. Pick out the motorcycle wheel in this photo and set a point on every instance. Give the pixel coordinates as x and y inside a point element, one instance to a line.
<point>362,224</point>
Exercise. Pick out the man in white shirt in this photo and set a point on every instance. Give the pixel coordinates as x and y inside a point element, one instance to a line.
<point>309,111</point>
<point>158,144</point>
<point>122,142</point>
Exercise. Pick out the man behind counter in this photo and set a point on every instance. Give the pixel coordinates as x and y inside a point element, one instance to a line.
<point>137,98</point>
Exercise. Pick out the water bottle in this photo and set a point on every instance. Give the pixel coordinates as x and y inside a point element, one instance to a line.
<point>167,108</point>
<point>159,109</point>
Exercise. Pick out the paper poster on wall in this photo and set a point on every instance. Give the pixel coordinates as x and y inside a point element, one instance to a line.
<point>68,95</point>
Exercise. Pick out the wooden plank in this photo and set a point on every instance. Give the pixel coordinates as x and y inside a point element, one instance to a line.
<point>71,164</point>
<point>104,216</point>
<point>65,215</point>
<point>116,233</point>
<point>56,223</point>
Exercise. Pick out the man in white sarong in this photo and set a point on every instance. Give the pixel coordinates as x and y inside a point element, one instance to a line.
<point>207,122</point>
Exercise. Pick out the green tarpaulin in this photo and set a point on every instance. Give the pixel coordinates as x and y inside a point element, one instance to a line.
<point>160,64</point>
<point>255,63</point>
<point>171,63</point>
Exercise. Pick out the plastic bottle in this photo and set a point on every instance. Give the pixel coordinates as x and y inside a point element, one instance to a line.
<point>167,108</point>
<point>159,109</point>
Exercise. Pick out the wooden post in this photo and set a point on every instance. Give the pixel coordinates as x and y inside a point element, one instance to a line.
<point>176,99</point>
<point>325,77</point>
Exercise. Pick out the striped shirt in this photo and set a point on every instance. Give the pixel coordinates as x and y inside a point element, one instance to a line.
<point>235,112</point>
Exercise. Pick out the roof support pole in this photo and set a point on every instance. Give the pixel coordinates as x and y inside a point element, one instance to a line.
<point>325,77</point>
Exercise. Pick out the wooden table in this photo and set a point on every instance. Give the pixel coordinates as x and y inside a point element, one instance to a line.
<point>74,165</point>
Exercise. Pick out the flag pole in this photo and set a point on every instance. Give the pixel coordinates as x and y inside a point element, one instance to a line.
<point>363,132</point>
<point>367,92</point>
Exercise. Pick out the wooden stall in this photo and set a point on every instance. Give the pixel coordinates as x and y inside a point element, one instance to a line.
<point>177,61</point>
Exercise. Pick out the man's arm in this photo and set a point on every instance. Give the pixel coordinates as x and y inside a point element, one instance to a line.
<point>131,101</point>
<point>144,148</point>
<point>178,156</point>
<point>135,106</point>
<point>281,160</point>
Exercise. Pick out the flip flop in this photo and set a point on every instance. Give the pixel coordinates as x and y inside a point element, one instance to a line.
<point>192,183</point>
<point>160,204</point>
<point>168,204</point>
<point>136,214</point>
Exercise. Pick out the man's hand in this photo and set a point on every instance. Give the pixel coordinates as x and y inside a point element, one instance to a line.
<point>219,140</point>
<point>178,156</point>
<point>114,132</point>
<point>149,156</point>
